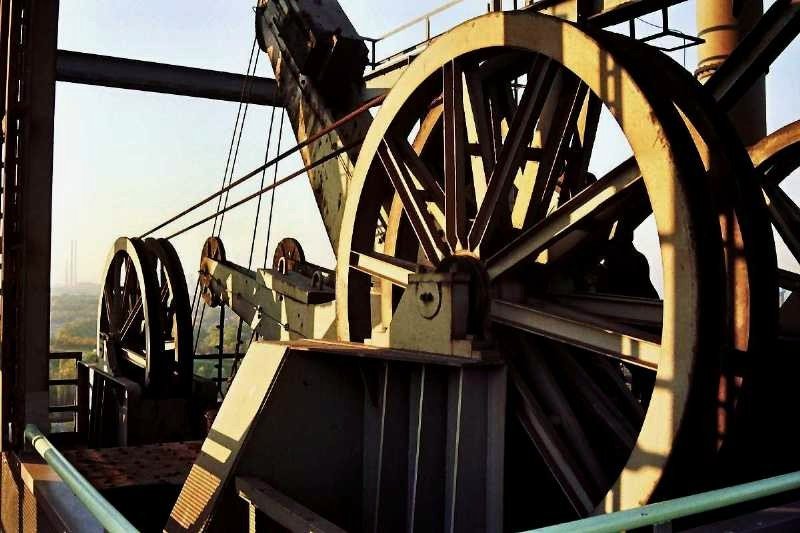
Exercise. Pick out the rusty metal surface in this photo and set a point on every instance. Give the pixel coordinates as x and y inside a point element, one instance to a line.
<point>320,80</point>
<point>151,464</point>
<point>27,174</point>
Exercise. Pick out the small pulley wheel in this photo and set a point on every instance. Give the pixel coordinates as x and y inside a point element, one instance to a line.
<point>288,255</point>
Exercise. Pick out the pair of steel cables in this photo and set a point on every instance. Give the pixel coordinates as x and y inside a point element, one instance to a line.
<point>228,183</point>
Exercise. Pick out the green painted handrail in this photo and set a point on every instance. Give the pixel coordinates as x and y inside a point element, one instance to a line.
<point>105,513</point>
<point>662,512</point>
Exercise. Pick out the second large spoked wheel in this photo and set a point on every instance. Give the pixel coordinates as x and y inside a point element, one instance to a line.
<point>482,151</point>
<point>129,333</point>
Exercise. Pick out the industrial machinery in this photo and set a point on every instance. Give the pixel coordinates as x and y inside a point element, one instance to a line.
<point>493,350</point>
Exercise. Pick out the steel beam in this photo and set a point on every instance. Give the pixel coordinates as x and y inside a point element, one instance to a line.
<point>121,73</point>
<point>751,60</point>
<point>27,211</point>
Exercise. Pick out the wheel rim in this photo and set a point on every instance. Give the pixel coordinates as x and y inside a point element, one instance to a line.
<point>174,314</point>
<point>776,157</point>
<point>668,162</point>
<point>288,253</point>
<point>747,375</point>
<point>128,333</point>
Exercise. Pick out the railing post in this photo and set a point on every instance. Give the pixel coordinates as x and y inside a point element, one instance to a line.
<point>82,418</point>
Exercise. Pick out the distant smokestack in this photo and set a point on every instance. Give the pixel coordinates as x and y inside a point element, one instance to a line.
<point>75,266</point>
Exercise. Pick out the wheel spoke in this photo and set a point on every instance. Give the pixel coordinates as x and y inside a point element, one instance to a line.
<point>478,122</point>
<point>541,432</point>
<point>391,154</point>
<point>130,318</point>
<point>559,139</point>
<point>599,402</point>
<point>578,167</point>
<point>630,310</point>
<point>454,171</point>
<point>785,215</point>
<point>564,220</point>
<point>553,396</point>
<point>540,80</point>
<point>383,266</point>
<point>107,307</point>
<point>416,172</point>
<point>128,285</point>
<point>580,330</point>
<point>788,280</point>
<point>164,292</point>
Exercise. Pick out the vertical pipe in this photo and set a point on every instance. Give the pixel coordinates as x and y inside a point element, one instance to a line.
<point>221,348</point>
<point>722,30</point>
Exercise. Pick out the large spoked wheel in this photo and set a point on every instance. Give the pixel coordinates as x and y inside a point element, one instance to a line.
<point>175,314</point>
<point>456,166</point>
<point>129,336</point>
<point>746,395</point>
<point>776,158</point>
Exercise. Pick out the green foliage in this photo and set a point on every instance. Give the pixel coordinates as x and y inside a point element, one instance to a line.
<point>78,334</point>
<point>73,327</point>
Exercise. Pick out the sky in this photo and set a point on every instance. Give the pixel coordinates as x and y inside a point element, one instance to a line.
<point>126,160</point>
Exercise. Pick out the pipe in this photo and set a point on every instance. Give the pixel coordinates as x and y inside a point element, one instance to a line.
<point>133,74</point>
<point>723,29</point>
<point>111,519</point>
<point>663,512</point>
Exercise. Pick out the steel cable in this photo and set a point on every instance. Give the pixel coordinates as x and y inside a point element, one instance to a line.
<point>255,228</point>
<point>326,131</point>
<point>278,183</point>
<point>272,196</point>
<point>236,152</point>
<point>243,92</point>
<point>246,84</point>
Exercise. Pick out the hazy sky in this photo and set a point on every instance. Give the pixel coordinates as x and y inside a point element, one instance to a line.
<point>126,160</point>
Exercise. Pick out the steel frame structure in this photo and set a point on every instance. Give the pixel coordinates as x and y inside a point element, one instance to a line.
<point>31,66</point>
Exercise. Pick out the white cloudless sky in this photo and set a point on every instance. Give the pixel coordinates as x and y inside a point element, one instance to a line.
<point>126,160</point>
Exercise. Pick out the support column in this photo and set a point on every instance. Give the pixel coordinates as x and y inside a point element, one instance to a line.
<point>30,32</point>
<point>723,29</point>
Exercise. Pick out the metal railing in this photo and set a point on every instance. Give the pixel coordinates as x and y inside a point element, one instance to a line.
<point>663,513</point>
<point>58,382</point>
<point>424,18</point>
<point>111,519</point>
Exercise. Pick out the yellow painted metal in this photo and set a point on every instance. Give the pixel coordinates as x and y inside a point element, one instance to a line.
<point>275,305</point>
<point>666,181</point>
<point>219,455</point>
<point>722,30</point>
